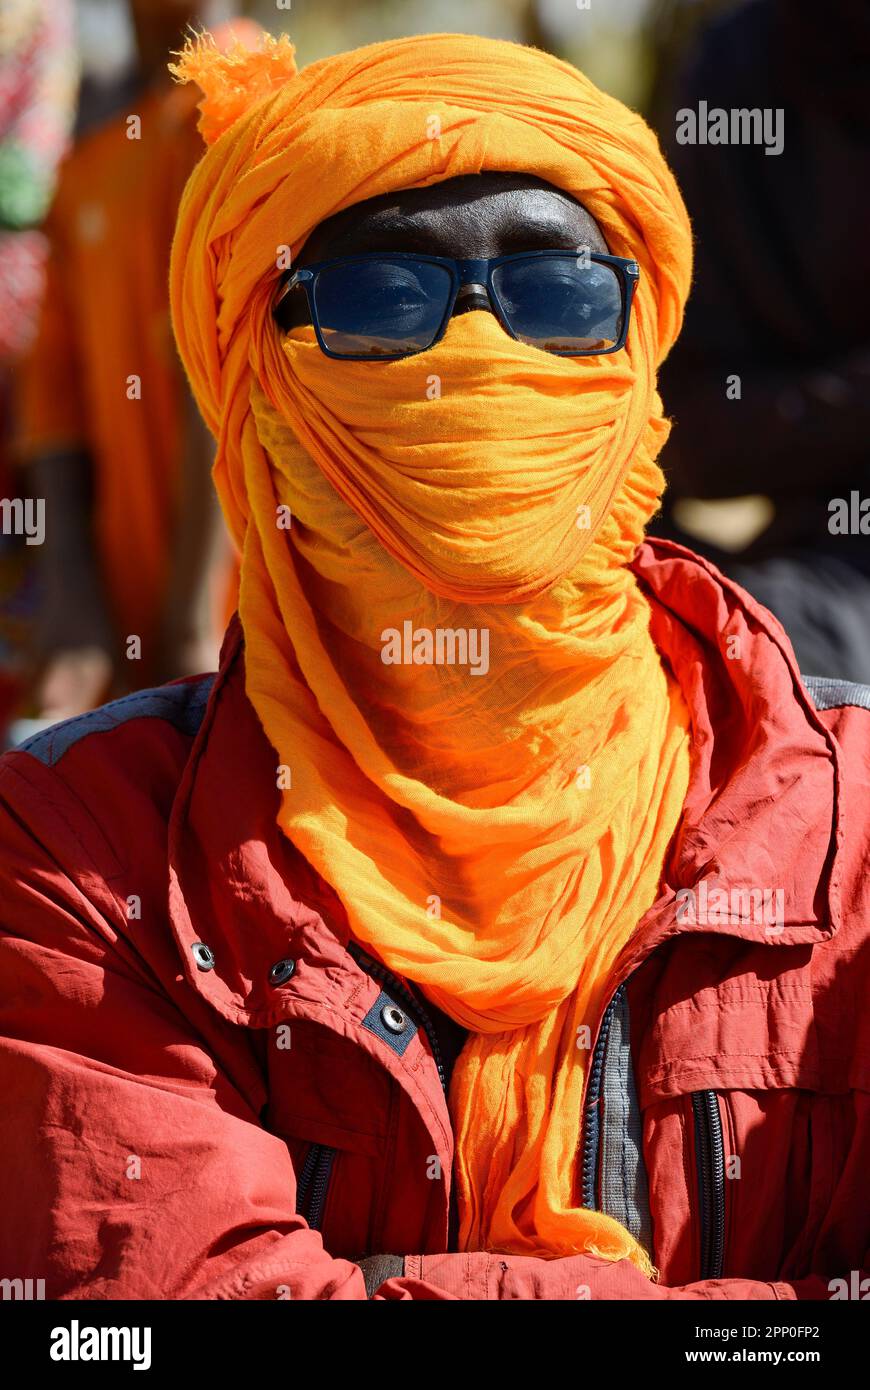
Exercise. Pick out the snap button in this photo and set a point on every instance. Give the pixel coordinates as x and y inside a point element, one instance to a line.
<point>203,955</point>
<point>281,972</point>
<point>393,1018</point>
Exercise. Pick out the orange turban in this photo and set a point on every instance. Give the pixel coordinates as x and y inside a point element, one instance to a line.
<point>494,827</point>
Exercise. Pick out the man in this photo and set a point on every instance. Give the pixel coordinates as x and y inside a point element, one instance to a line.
<point>136,566</point>
<point>511,942</point>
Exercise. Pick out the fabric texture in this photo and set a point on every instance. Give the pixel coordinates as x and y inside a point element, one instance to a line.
<point>494,834</point>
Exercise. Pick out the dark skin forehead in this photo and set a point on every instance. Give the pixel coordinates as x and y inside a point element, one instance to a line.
<point>474,216</point>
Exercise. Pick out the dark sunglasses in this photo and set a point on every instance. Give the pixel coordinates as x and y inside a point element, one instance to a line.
<point>386,305</point>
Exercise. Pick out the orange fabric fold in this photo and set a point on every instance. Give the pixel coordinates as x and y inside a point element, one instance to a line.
<point>487,759</point>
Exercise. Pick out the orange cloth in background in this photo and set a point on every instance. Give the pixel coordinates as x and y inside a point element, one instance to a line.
<point>497,836</point>
<point>105,317</point>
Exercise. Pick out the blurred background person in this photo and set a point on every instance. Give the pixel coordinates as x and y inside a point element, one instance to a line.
<point>136,566</point>
<point>38,75</point>
<point>780,310</point>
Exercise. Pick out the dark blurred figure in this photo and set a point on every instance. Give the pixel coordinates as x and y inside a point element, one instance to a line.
<point>137,566</point>
<point>782,301</point>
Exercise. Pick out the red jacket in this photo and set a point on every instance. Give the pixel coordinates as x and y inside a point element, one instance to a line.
<point>207,1094</point>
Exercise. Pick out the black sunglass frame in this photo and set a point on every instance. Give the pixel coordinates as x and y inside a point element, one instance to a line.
<point>462,272</point>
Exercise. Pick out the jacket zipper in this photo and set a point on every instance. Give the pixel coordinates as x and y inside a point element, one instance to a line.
<point>591,1132</point>
<point>313,1184</point>
<point>709,1148</point>
<point>710,1153</point>
<point>413,1006</point>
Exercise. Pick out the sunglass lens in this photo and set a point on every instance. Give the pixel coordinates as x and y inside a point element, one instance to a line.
<point>562,304</point>
<point>382,307</point>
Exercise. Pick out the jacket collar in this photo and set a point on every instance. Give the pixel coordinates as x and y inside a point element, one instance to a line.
<point>762,810</point>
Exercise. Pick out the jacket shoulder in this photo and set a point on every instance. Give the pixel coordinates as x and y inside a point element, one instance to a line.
<point>844,709</point>
<point>97,791</point>
<point>180,705</point>
<point>827,693</point>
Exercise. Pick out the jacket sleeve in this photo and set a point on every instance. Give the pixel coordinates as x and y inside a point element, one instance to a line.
<point>479,1275</point>
<point>137,1167</point>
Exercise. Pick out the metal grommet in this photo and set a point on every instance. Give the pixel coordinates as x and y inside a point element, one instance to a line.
<point>281,972</point>
<point>203,955</point>
<point>393,1018</point>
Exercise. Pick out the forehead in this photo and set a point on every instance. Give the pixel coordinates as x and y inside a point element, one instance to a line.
<point>514,205</point>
